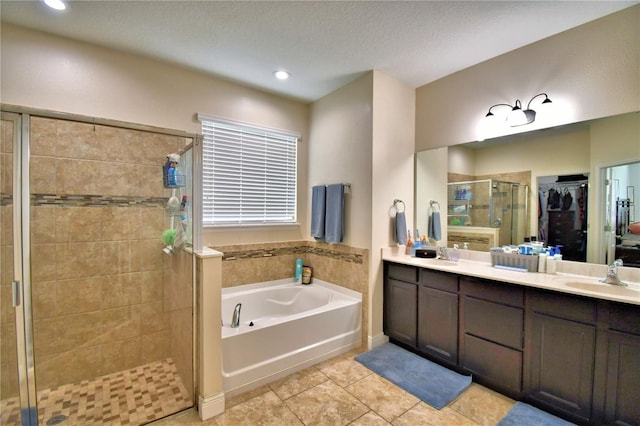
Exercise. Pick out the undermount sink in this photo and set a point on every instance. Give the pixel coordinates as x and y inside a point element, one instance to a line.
<point>630,290</point>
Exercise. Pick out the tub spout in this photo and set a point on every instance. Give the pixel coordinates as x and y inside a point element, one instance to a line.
<point>235,321</point>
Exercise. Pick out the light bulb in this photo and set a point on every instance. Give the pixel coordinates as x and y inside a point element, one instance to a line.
<point>55,4</point>
<point>281,74</point>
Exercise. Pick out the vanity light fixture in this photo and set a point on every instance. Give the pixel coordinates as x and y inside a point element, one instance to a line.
<point>55,4</point>
<point>281,74</point>
<point>518,116</point>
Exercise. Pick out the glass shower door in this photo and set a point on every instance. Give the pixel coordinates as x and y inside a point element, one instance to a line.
<point>17,387</point>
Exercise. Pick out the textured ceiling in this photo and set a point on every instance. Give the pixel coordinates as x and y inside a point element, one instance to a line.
<point>324,44</point>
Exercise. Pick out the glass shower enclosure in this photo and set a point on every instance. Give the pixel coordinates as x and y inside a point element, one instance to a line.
<point>490,203</point>
<point>96,321</point>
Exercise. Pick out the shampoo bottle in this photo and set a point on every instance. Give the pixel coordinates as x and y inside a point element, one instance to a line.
<point>298,277</point>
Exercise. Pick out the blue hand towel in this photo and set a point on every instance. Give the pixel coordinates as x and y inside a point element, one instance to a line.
<point>401,228</point>
<point>318,212</point>
<point>435,230</point>
<point>334,219</point>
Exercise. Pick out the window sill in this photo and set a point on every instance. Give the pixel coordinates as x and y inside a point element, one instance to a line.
<point>252,226</point>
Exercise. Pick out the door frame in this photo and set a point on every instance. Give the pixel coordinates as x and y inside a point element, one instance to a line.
<point>21,286</point>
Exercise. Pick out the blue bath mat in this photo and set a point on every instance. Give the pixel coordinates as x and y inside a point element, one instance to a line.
<point>522,414</point>
<point>430,382</point>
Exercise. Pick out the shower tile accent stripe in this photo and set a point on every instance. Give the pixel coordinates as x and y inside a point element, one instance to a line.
<point>95,200</point>
<point>271,252</point>
<point>132,397</point>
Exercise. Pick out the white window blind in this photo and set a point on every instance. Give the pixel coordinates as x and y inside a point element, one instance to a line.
<point>249,174</point>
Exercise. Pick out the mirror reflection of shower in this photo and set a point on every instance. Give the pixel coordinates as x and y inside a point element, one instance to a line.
<point>488,203</point>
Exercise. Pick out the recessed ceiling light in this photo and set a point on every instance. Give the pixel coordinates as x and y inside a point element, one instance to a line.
<point>55,4</point>
<point>281,74</point>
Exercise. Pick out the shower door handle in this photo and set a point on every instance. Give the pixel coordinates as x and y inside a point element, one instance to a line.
<point>15,293</point>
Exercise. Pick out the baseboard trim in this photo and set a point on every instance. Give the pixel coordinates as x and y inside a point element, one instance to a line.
<point>210,406</point>
<point>375,341</point>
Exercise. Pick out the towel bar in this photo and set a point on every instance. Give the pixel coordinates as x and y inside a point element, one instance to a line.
<point>396,202</point>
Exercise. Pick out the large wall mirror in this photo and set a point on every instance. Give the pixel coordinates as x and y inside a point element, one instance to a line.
<point>575,185</point>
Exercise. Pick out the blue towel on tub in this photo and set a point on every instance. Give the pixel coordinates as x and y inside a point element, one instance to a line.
<point>334,219</point>
<point>318,211</point>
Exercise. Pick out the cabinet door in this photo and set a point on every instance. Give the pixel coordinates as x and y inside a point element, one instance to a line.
<point>561,364</point>
<point>438,324</point>
<point>400,311</point>
<point>623,380</point>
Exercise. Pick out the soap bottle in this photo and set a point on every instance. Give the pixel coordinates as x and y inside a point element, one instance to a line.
<point>409,243</point>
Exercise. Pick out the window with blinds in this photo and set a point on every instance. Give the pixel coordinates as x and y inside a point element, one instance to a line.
<point>249,174</point>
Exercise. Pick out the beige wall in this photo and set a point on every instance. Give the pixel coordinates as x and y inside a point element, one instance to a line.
<point>48,72</point>
<point>392,176</point>
<point>340,151</point>
<point>590,71</point>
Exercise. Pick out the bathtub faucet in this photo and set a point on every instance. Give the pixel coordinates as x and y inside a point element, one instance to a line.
<point>235,321</point>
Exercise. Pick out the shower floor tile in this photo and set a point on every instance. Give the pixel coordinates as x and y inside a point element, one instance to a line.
<point>133,397</point>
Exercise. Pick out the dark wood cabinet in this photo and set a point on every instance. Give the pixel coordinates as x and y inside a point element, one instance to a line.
<point>438,316</point>
<point>623,367</point>
<point>561,364</point>
<point>491,334</point>
<point>561,340</point>
<point>401,303</point>
<point>623,380</point>
<point>576,357</point>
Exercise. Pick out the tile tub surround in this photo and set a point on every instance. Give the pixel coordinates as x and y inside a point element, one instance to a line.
<point>338,264</point>
<point>101,284</point>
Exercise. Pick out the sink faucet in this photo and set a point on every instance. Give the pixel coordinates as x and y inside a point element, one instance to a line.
<point>235,321</point>
<point>612,274</point>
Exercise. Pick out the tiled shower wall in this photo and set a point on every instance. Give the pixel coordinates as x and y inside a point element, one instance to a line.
<point>100,281</point>
<point>338,264</point>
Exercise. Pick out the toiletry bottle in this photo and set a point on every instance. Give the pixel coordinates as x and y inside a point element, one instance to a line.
<point>409,243</point>
<point>178,175</point>
<point>551,262</point>
<point>298,277</point>
<point>557,255</point>
<point>542,262</point>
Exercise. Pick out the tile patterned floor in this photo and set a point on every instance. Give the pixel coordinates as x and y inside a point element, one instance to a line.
<point>342,391</point>
<point>131,397</point>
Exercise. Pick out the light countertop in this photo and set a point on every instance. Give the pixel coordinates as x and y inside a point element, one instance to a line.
<point>577,278</point>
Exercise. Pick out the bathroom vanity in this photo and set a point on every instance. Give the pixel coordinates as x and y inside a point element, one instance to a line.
<point>560,342</point>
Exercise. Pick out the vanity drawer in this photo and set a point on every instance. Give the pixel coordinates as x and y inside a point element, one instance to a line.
<point>498,364</point>
<point>493,321</point>
<point>439,280</point>
<point>563,306</point>
<point>403,272</point>
<point>494,292</point>
<point>624,318</point>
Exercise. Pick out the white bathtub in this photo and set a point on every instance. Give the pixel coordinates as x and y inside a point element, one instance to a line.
<point>294,326</point>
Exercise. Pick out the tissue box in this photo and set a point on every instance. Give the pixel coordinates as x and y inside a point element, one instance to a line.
<point>524,262</point>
